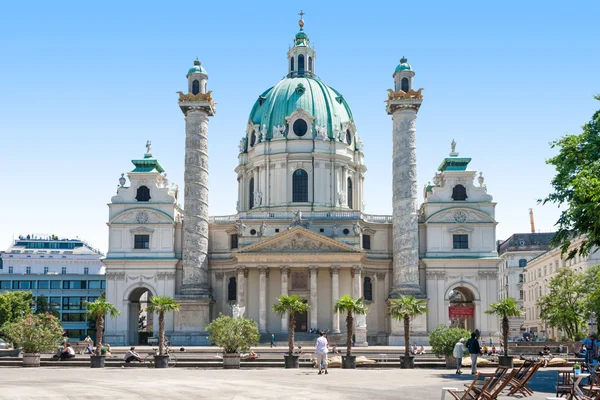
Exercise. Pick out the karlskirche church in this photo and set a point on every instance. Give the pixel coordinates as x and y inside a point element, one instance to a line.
<point>300,228</point>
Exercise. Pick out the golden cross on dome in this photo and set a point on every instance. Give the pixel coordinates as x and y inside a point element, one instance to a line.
<point>301,13</point>
<point>301,22</point>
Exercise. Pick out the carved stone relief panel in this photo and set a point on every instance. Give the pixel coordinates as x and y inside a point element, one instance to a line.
<point>299,280</point>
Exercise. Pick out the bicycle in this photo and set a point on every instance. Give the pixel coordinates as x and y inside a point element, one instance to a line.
<point>149,359</point>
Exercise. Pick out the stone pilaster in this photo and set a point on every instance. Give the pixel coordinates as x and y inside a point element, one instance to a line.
<point>335,295</point>
<point>262,298</point>
<point>220,294</point>
<point>405,230</point>
<point>242,274</point>
<point>314,300</point>
<point>356,273</point>
<point>285,274</point>
<point>195,225</point>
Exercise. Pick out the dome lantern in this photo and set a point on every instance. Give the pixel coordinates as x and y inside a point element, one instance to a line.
<point>403,76</point>
<point>197,77</point>
<point>301,56</point>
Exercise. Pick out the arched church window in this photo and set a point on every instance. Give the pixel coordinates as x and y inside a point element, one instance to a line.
<point>348,137</point>
<point>310,65</point>
<point>459,193</point>
<point>404,84</point>
<point>367,288</point>
<point>292,64</point>
<point>349,191</point>
<point>195,87</point>
<point>300,127</point>
<point>301,64</point>
<point>300,186</point>
<point>251,194</point>
<point>143,194</point>
<point>232,289</point>
<point>253,139</point>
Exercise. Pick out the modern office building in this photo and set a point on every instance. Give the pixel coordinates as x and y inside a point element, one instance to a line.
<point>66,271</point>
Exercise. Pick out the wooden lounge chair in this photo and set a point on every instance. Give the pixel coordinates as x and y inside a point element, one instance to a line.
<point>480,384</point>
<point>519,385</point>
<point>493,390</point>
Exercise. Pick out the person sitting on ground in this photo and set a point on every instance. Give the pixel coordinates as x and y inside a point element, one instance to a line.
<point>253,355</point>
<point>414,349</point>
<point>105,350</point>
<point>546,355</point>
<point>485,350</point>
<point>131,355</point>
<point>67,353</point>
<point>421,350</point>
<point>299,350</point>
<point>494,352</point>
<point>334,350</point>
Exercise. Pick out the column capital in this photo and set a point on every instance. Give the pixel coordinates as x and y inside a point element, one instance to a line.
<point>356,269</point>
<point>263,269</point>
<point>381,275</point>
<point>285,270</point>
<point>219,275</point>
<point>334,270</point>
<point>242,269</point>
<point>314,269</point>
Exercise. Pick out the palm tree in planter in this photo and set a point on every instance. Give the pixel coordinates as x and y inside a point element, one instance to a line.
<point>505,309</point>
<point>162,305</point>
<point>404,309</point>
<point>351,307</point>
<point>98,310</point>
<point>291,305</point>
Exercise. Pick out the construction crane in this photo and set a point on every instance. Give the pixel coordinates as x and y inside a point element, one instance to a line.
<point>531,221</point>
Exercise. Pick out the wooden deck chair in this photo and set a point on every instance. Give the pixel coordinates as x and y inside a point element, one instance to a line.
<point>494,379</point>
<point>471,391</point>
<point>491,392</point>
<point>520,386</point>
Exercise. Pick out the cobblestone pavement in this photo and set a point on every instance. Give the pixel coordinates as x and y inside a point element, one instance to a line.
<point>271,383</point>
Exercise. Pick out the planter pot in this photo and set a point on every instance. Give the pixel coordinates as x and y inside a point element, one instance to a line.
<point>231,361</point>
<point>31,359</point>
<point>161,361</point>
<point>451,362</point>
<point>407,362</point>
<point>505,361</point>
<point>97,361</point>
<point>349,362</point>
<point>292,361</point>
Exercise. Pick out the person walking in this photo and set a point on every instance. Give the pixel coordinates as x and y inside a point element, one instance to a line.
<point>474,351</point>
<point>458,352</point>
<point>321,353</point>
<point>273,340</point>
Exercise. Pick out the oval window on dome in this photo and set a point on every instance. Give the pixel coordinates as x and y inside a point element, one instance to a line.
<point>300,127</point>
<point>253,139</point>
<point>348,137</point>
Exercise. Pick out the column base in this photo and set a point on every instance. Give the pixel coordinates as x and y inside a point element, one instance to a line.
<point>413,289</point>
<point>191,321</point>
<point>360,338</point>
<point>195,291</point>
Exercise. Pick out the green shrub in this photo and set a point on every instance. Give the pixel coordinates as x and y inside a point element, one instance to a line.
<point>443,339</point>
<point>233,334</point>
<point>36,333</point>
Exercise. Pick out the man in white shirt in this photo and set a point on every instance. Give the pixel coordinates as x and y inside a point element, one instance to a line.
<point>131,355</point>
<point>67,353</point>
<point>321,352</point>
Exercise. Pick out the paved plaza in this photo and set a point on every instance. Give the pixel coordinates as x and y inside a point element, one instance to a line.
<point>179,383</point>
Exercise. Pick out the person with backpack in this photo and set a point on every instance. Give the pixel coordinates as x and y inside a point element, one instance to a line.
<point>474,351</point>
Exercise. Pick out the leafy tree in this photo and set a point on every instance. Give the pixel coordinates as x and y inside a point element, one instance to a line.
<point>443,339</point>
<point>404,309</point>
<point>505,309</point>
<point>290,305</point>
<point>233,334</point>
<point>43,307</point>
<point>577,186</point>
<point>162,305</point>
<point>564,305</point>
<point>15,306</point>
<point>98,310</point>
<point>347,304</point>
<point>592,284</point>
<point>36,333</point>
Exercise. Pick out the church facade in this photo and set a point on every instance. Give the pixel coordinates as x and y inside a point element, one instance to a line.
<point>300,226</point>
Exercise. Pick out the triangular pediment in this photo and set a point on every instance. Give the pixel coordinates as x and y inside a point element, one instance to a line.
<point>298,240</point>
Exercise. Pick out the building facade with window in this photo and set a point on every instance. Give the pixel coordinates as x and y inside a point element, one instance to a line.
<point>538,273</point>
<point>66,271</point>
<point>516,252</point>
<point>300,226</point>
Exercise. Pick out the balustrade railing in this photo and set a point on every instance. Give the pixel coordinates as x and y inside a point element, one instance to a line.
<point>308,215</point>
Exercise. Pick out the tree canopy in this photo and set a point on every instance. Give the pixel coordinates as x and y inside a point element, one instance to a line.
<point>577,187</point>
<point>15,306</point>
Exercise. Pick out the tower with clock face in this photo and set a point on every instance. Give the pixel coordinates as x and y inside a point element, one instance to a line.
<point>143,259</point>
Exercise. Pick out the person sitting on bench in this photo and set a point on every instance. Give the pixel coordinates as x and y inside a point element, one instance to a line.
<point>67,353</point>
<point>131,355</point>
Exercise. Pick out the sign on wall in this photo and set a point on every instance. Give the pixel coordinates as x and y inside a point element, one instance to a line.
<point>461,311</point>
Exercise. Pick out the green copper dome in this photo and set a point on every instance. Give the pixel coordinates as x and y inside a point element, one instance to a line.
<point>197,69</point>
<point>403,66</point>
<point>325,104</point>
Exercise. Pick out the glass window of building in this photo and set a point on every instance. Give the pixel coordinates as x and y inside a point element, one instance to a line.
<point>63,270</point>
<point>5,284</point>
<point>73,317</point>
<point>522,263</point>
<point>28,270</point>
<point>367,288</point>
<point>86,270</point>
<point>102,284</point>
<point>55,303</point>
<point>74,285</point>
<point>233,241</point>
<point>10,270</point>
<point>94,285</point>
<point>55,284</point>
<point>22,285</point>
<point>46,270</point>
<point>43,285</point>
<point>232,289</point>
<point>460,241</point>
<point>366,242</point>
<point>78,334</point>
<point>142,242</point>
<point>300,186</point>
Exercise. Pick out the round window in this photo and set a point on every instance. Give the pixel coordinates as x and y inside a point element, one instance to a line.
<point>348,137</point>
<point>253,231</point>
<point>252,138</point>
<point>346,231</point>
<point>300,127</point>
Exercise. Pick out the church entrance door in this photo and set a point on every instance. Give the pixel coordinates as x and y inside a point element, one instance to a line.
<point>140,323</point>
<point>301,321</point>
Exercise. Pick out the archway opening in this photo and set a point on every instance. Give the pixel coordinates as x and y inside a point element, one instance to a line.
<point>301,321</point>
<point>462,308</point>
<point>140,322</point>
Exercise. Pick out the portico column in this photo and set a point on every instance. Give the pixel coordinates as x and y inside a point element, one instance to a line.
<point>242,274</point>
<point>335,295</point>
<point>220,293</point>
<point>285,273</point>
<point>314,321</point>
<point>262,298</point>
<point>356,281</point>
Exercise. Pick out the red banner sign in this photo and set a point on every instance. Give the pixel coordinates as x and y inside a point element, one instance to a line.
<point>461,311</point>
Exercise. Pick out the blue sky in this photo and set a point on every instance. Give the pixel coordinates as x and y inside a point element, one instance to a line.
<point>83,85</point>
